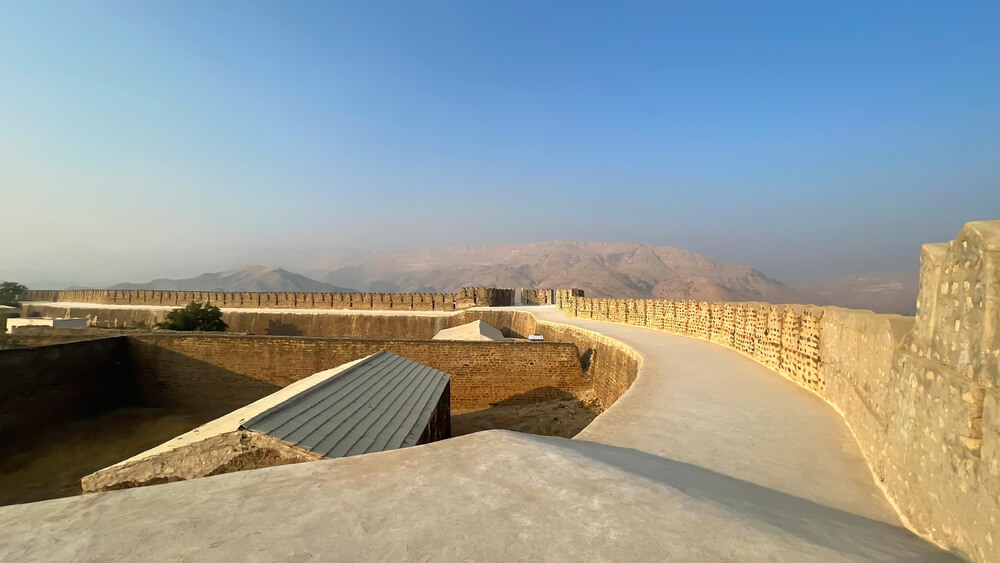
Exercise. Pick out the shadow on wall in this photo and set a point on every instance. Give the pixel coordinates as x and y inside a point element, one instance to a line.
<point>546,411</point>
<point>170,379</point>
<point>278,328</point>
<point>843,532</point>
<point>51,464</point>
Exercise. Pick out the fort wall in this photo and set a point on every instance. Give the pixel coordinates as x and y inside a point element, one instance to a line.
<point>922,396</point>
<point>466,297</point>
<point>611,365</point>
<point>56,385</point>
<point>211,370</point>
<point>264,323</point>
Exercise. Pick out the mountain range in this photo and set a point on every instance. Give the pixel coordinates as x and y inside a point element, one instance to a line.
<point>626,270</point>
<point>602,269</point>
<point>247,278</point>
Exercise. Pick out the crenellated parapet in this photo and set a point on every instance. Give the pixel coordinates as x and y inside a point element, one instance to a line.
<point>466,298</point>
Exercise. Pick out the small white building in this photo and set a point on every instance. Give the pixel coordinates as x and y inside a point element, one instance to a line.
<point>45,321</point>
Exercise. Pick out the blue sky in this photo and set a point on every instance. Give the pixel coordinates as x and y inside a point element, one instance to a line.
<point>805,139</point>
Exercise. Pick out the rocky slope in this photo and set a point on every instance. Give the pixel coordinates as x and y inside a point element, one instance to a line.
<point>247,278</point>
<point>601,269</point>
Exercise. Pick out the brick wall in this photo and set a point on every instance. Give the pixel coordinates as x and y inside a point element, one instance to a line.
<point>612,365</point>
<point>48,386</point>
<point>467,297</point>
<point>221,369</point>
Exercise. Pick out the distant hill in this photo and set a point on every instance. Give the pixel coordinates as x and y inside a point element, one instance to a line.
<point>628,270</point>
<point>882,292</point>
<point>247,278</point>
<point>625,270</point>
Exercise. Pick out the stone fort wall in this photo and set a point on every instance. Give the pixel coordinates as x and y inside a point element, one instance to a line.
<point>467,297</point>
<point>610,365</point>
<point>60,374</point>
<point>59,384</point>
<point>209,370</point>
<point>921,395</point>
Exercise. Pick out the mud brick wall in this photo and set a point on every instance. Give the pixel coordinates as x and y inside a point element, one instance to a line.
<point>219,369</point>
<point>49,386</point>
<point>466,298</point>
<point>921,395</point>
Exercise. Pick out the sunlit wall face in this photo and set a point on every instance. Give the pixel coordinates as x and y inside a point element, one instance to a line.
<point>142,140</point>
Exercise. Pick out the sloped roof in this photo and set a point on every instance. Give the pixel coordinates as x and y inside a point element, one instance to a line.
<point>381,403</point>
<point>476,330</point>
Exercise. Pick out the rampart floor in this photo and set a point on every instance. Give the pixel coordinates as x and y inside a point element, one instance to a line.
<point>710,456</point>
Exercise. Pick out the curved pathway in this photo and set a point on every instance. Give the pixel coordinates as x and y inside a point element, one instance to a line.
<point>707,405</point>
<point>710,456</point>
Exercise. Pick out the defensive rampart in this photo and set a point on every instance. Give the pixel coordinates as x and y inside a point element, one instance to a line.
<point>467,297</point>
<point>921,395</point>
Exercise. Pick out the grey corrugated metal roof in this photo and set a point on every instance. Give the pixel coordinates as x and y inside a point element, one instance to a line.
<point>382,403</point>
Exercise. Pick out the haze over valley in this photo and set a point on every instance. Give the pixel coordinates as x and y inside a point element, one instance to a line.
<point>625,270</point>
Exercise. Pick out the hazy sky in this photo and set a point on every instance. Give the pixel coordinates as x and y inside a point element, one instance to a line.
<point>806,139</point>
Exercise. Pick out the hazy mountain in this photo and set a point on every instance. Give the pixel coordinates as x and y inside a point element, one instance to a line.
<point>34,279</point>
<point>247,278</point>
<point>601,269</point>
<point>628,270</point>
<point>882,292</point>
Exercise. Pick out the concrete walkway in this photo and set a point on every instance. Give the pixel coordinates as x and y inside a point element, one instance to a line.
<point>700,403</point>
<point>708,457</point>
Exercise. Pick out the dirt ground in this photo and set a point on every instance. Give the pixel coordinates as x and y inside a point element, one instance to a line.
<point>563,417</point>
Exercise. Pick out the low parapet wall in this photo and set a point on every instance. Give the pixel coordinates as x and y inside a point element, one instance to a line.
<point>922,396</point>
<point>467,297</point>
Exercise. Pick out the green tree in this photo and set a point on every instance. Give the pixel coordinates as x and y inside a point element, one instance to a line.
<point>196,316</point>
<point>9,292</point>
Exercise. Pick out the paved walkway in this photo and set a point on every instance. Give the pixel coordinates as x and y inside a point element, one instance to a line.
<point>708,457</point>
<point>703,404</point>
